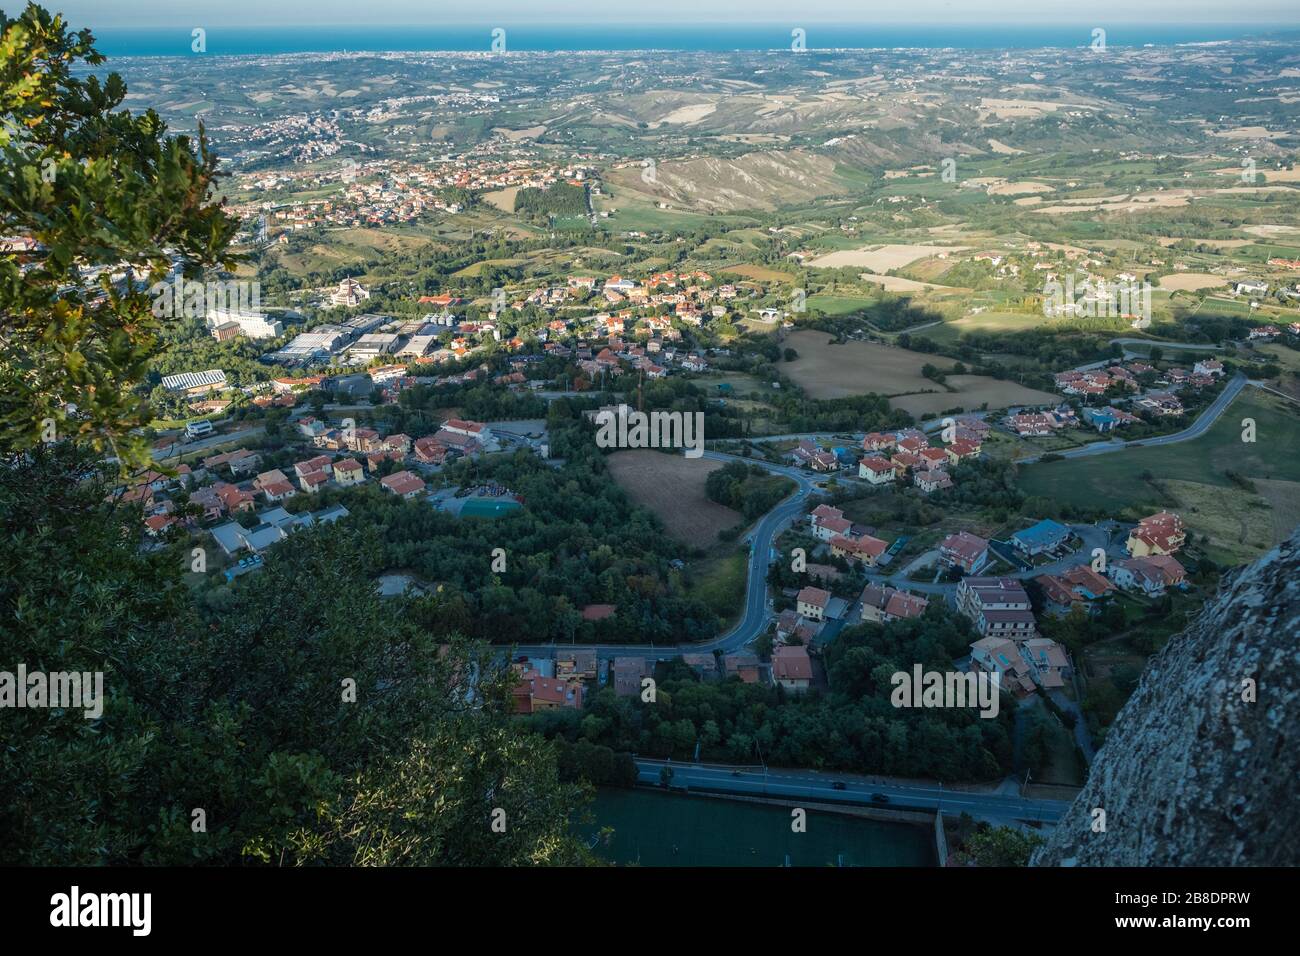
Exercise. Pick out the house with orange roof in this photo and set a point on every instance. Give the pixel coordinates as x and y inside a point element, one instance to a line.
<point>1077,585</point>
<point>933,457</point>
<point>865,549</point>
<point>348,472</point>
<point>535,693</point>
<point>913,444</point>
<point>430,451</point>
<point>964,550</point>
<point>961,450</point>
<point>314,481</point>
<point>1162,533</point>
<point>905,460</point>
<point>827,521</point>
<point>877,471</point>
<point>878,441</point>
<point>404,484</point>
<point>156,525</point>
<point>812,603</point>
<point>744,666</point>
<point>234,499</point>
<point>882,604</point>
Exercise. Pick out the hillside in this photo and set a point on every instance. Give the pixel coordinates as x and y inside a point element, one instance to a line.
<point>1192,775</point>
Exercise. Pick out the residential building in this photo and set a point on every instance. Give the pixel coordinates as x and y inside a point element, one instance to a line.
<point>932,458</point>
<point>628,674</point>
<point>865,549</point>
<point>1048,663</point>
<point>535,693</point>
<point>792,668</point>
<point>878,441</point>
<point>1043,537</point>
<point>704,665</point>
<point>964,550</point>
<point>812,603</point>
<point>744,666</point>
<point>961,450</point>
<point>877,471</point>
<point>998,607</point>
<point>827,522</point>
<point>881,604</point>
<point>576,662</point>
<point>1077,585</point>
<point>931,480</point>
<point>997,655</point>
<point>241,461</point>
<point>1151,575</point>
<point>348,472</point>
<point>404,484</point>
<point>1162,533</point>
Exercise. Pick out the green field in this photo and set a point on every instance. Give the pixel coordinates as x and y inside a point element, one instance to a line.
<point>834,304</point>
<point>720,583</point>
<point>1114,480</point>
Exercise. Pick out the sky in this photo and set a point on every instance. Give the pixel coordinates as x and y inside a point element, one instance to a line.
<point>984,13</point>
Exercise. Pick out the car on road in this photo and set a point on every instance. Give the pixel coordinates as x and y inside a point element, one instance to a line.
<point>879,798</point>
<point>839,785</point>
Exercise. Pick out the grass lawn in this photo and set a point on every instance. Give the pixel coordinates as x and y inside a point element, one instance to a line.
<point>720,583</point>
<point>835,304</point>
<point>1190,479</point>
<point>1063,765</point>
<point>1115,480</point>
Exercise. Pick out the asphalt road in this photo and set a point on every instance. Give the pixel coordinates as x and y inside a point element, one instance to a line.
<point>199,444</point>
<point>757,611</point>
<point>1176,346</point>
<point>812,785</point>
<point>1194,430</point>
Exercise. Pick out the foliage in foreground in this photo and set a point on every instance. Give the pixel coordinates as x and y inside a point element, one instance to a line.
<point>243,714</point>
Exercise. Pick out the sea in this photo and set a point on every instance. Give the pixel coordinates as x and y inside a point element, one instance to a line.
<point>718,37</point>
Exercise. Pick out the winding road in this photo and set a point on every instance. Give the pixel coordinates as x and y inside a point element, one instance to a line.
<point>758,611</point>
<point>1194,430</point>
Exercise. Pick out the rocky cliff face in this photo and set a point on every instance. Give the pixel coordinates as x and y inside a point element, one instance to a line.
<point>1202,766</point>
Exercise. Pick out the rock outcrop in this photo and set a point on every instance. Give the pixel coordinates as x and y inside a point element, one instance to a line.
<point>1202,765</point>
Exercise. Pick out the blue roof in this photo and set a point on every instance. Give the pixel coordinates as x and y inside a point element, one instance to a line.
<point>1044,532</point>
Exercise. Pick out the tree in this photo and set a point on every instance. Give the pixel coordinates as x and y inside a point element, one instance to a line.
<point>88,185</point>
<point>1001,846</point>
<point>308,719</point>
